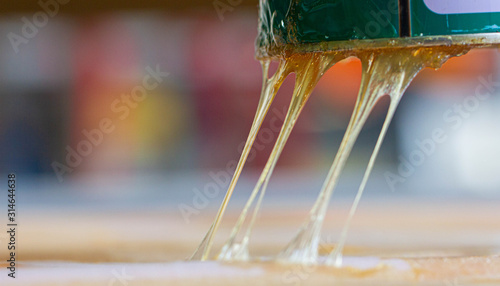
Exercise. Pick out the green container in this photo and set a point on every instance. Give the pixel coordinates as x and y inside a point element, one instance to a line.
<point>308,21</point>
<point>450,17</point>
<point>292,22</point>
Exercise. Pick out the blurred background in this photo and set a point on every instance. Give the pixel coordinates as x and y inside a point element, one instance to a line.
<point>81,130</point>
<point>67,65</point>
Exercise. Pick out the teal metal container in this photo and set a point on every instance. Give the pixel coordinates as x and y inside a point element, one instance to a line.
<point>451,17</point>
<point>292,22</point>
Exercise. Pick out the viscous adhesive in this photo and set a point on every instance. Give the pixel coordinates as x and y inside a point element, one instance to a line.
<point>309,37</point>
<point>385,72</point>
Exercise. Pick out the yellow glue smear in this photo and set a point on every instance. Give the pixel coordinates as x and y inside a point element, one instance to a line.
<point>386,72</point>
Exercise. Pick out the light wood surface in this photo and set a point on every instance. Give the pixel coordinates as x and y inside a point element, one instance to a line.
<point>391,243</point>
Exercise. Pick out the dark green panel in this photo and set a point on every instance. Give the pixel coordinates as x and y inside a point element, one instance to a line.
<point>426,22</point>
<point>312,21</point>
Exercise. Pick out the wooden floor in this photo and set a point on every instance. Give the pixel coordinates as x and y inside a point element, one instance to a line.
<point>396,242</point>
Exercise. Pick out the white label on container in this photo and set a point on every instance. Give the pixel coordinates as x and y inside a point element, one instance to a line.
<point>463,6</point>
